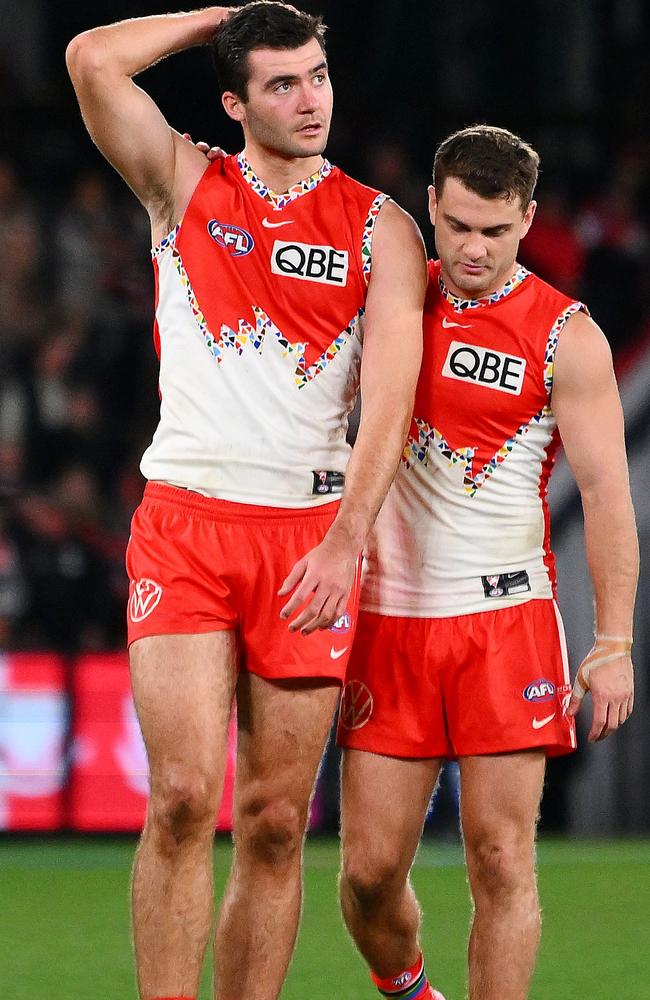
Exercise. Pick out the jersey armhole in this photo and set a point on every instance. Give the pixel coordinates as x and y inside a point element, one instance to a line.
<point>170,239</point>
<point>368,233</point>
<point>551,343</point>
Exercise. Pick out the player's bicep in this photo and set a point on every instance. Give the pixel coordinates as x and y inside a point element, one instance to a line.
<point>123,121</point>
<point>587,406</point>
<point>392,350</point>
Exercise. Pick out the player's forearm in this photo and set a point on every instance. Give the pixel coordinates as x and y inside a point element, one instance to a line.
<point>129,47</point>
<point>613,559</point>
<point>372,467</point>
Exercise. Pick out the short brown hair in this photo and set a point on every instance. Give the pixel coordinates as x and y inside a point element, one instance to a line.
<point>260,24</point>
<point>490,161</point>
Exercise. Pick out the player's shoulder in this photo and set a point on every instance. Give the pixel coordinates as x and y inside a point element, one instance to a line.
<point>543,292</point>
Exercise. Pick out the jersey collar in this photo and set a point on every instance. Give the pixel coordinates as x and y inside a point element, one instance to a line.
<point>278,201</point>
<point>459,304</point>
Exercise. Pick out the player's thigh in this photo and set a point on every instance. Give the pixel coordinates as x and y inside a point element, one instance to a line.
<point>499,806</point>
<point>183,689</point>
<point>384,802</point>
<point>282,731</point>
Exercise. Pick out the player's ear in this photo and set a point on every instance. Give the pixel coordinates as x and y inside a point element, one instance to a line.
<point>233,106</point>
<point>433,204</point>
<point>527,220</point>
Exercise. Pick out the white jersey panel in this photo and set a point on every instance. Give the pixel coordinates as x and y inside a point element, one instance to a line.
<point>443,531</point>
<point>252,394</point>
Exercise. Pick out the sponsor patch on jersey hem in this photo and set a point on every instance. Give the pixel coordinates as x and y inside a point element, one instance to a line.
<point>506,584</point>
<point>328,482</point>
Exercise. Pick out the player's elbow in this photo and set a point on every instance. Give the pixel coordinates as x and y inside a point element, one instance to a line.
<point>84,56</point>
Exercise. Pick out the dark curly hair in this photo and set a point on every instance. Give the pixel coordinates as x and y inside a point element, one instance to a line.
<point>490,161</point>
<point>260,24</point>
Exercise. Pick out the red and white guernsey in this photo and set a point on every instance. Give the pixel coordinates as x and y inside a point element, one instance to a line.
<point>465,527</point>
<point>259,313</point>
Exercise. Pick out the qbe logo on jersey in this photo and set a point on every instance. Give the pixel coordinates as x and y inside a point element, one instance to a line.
<point>491,369</point>
<point>325,265</point>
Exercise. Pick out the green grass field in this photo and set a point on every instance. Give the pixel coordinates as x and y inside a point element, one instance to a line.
<point>64,922</point>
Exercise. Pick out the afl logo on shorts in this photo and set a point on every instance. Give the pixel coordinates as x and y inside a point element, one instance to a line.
<point>236,241</point>
<point>541,690</point>
<point>356,705</point>
<point>343,624</point>
<point>145,598</point>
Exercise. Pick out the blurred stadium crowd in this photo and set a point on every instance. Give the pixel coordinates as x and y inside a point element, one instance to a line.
<point>78,390</point>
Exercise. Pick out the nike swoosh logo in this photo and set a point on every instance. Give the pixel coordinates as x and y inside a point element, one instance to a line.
<point>276,225</point>
<point>539,723</point>
<point>336,654</point>
<point>448,323</point>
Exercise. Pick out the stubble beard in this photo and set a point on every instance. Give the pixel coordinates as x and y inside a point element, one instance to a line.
<point>281,143</point>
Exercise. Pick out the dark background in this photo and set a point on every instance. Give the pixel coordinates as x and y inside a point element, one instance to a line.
<point>78,387</point>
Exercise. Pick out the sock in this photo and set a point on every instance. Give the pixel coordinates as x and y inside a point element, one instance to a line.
<point>412,984</point>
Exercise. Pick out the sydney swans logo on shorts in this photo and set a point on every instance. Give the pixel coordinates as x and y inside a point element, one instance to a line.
<point>236,241</point>
<point>144,599</point>
<point>356,705</point>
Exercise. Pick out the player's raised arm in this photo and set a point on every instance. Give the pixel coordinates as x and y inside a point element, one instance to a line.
<point>587,407</point>
<point>392,353</point>
<point>124,123</point>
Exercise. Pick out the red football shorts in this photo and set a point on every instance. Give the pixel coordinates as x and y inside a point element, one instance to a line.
<point>486,683</point>
<point>199,565</point>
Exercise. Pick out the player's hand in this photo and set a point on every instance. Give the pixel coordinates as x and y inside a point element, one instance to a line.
<point>210,152</point>
<point>611,683</point>
<point>326,575</point>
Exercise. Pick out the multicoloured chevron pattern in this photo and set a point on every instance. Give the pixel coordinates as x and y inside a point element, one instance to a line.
<point>246,334</point>
<point>460,304</point>
<point>279,201</point>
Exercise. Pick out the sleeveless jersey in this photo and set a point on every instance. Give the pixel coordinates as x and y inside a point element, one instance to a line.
<point>259,311</point>
<point>465,527</point>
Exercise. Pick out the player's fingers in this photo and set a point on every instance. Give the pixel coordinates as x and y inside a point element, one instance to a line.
<point>599,720</point>
<point>300,595</point>
<point>203,148</point>
<point>341,607</point>
<point>575,704</point>
<point>291,581</point>
<point>216,153</point>
<point>326,617</point>
<point>306,620</point>
<point>624,711</point>
<point>186,135</point>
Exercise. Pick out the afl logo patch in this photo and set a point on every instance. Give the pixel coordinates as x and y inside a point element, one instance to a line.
<point>356,705</point>
<point>541,690</point>
<point>343,624</point>
<point>144,599</point>
<point>236,241</point>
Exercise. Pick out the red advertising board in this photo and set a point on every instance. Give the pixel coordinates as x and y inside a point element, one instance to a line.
<point>32,739</point>
<point>108,777</point>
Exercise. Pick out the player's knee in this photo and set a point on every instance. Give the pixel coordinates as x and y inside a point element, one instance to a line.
<point>270,830</point>
<point>183,806</point>
<point>500,866</point>
<point>369,879</point>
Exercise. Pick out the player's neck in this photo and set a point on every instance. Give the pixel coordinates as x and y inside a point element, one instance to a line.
<point>478,293</point>
<point>276,171</point>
